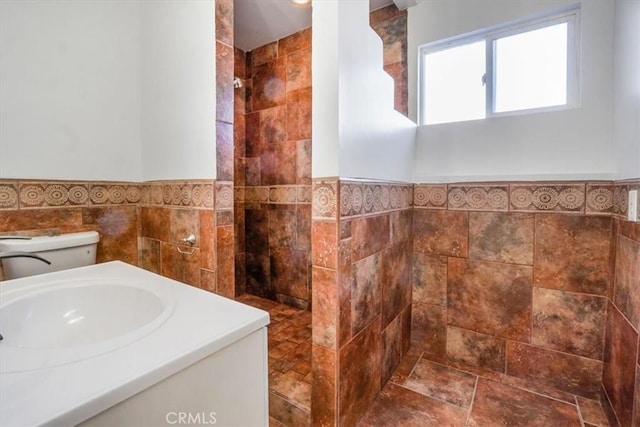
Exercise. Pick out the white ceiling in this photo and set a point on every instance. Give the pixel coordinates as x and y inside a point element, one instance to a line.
<point>258,22</point>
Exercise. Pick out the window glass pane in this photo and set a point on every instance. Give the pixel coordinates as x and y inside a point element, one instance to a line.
<point>452,84</point>
<point>531,69</point>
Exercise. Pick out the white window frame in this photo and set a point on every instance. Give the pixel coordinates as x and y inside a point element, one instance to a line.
<point>569,15</point>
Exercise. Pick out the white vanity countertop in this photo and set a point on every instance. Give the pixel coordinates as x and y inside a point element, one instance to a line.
<point>201,324</point>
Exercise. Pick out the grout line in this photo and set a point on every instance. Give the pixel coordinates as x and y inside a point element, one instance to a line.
<point>473,399</point>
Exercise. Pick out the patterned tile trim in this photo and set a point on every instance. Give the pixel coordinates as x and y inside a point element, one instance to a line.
<point>621,197</point>
<point>223,195</point>
<point>9,194</point>
<point>324,200</point>
<point>599,198</point>
<point>368,198</point>
<point>430,196</point>
<point>552,197</point>
<point>275,194</point>
<point>478,197</point>
<point>197,194</point>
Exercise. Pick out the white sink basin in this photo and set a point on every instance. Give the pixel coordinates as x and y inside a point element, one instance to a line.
<point>75,321</point>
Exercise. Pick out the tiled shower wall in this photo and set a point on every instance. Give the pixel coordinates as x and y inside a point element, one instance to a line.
<point>273,169</point>
<point>361,238</point>
<point>512,279</point>
<point>391,25</point>
<point>621,376</point>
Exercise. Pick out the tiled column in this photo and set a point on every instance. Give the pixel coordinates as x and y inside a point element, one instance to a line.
<point>361,254</point>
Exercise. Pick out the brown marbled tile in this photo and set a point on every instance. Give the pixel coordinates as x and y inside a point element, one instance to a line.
<point>207,280</point>
<point>359,373</point>
<point>292,389</point>
<point>273,124</point>
<point>406,329</point>
<point>636,399</point>
<point>613,247</point>
<point>599,198</point>
<point>224,151</point>
<point>154,221</point>
<point>282,227</point>
<point>591,411</point>
<point>484,197</point>
<point>181,267</point>
<point>241,273</point>
<point>537,388</point>
<point>472,348</point>
<point>548,197</point>
<point>366,293</point>
<point>181,224</point>
<point>299,70</point>
<point>442,383</point>
<point>224,82</point>
<point>283,411</point>
<point>9,194</point>
<point>263,54</point>
<point>225,261</point>
<point>257,230</point>
<point>498,404</point>
<point>303,162</point>
<point>325,203</point>
<point>325,304</point>
<point>502,237</point>
<point>396,280</point>
<point>290,272</point>
<point>398,72</point>
<point>278,164</point>
<point>391,348</point>
<point>398,406</point>
<point>440,232</point>
<point>345,290</point>
<point>324,391</point>
<point>303,228</point>
<point>571,253</point>
<point>294,42</point>
<point>627,279</point>
<point>433,196</point>
<point>259,275</point>
<point>31,219</point>
<point>620,359</point>
<point>491,298</point>
<point>630,229</point>
<point>569,322</point>
<point>393,32</point>
<point>269,84</point>
<point>404,369</point>
<point>384,14</point>
<point>224,21</point>
<point>253,143</point>
<point>118,230</point>
<point>299,114</point>
<point>240,63</point>
<point>566,372</point>
<point>325,244</point>
<point>401,229</point>
<point>149,254</point>
<point>428,329</point>
<point>369,235</point>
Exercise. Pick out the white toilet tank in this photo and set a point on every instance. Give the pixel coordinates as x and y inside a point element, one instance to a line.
<point>64,251</point>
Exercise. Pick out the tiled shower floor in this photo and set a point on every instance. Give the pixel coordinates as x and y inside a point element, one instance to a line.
<point>289,362</point>
<point>420,392</point>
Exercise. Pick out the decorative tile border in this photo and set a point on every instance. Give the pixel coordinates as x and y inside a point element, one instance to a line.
<point>432,196</point>
<point>37,194</point>
<point>324,200</point>
<point>478,197</point>
<point>599,198</point>
<point>591,198</point>
<point>274,194</point>
<point>223,195</point>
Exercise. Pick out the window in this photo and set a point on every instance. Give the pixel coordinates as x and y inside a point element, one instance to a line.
<point>525,66</point>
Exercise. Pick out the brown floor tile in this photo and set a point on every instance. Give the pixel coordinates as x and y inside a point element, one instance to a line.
<point>498,404</point>
<point>592,412</point>
<point>442,383</point>
<point>397,406</point>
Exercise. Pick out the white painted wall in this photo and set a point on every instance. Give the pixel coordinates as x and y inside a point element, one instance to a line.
<point>107,90</point>
<point>353,99</point>
<point>178,90</point>
<point>569,144</point>
<point>626,89</point>
<point>70,90</point>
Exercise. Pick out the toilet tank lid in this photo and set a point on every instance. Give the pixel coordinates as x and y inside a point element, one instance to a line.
<point>47,243</point>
